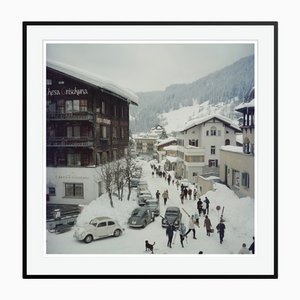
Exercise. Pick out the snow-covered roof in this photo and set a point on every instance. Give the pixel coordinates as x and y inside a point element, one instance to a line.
<point>246,104</point>
<point>171,148</point>
<point>232,148</point>
<point>202,120</point>
<point>167,140</point>
<point>172,159</point>
<point>95,80</point>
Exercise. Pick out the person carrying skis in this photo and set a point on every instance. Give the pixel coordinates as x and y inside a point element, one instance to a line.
<point>221,230</point>
<point>170,232</point>
<point>192,227</point>
<point>208,225</point>
<point>182,231</point>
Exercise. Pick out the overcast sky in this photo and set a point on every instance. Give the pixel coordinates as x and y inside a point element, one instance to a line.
<point>149,67</point>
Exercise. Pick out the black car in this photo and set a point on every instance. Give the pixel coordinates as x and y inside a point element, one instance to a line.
<point>172,216</point>
<point>140,217</point>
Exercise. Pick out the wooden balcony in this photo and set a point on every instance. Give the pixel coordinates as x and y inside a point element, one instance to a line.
<point>70,142</point>
<point>71,116</point>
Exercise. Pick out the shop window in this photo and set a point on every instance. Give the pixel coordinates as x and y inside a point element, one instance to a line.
<point>73,189</point>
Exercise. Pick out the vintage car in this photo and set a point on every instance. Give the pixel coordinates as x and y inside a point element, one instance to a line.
<point>143,196</point>
<point>172,216</point>
<point>153,205</point>
<point>141,217</point>
<point>97,228</point>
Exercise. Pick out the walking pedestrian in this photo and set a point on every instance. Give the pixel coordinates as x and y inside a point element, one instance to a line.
<point>165,196</point>
<point>252,247</point>
<point>221,230</point>
<point>182,197</point>
<point>197,218</point>
<point>244,249</point>
<point>182,231</point>
<point>204,205</point>
<point>207,205</point>
<point>170,232</point>
<point>157,194</point>
<point>199,206</point>
<point>190,193</point>
<point>185,191</point>
<point>177,184</point>
<point>207,224</point>
<point>192,227</point>
<point>195,194</point>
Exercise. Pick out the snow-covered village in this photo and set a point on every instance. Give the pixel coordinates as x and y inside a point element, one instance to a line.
<point>151,173</point>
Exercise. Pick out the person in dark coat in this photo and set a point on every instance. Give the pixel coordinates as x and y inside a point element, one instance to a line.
<point>199,206</point>
<point>221,230</point>
<point>185,191</point>
<point>252,247</point>
<point>170,232</point>
<point>157,194</point>
<point>207,205</point>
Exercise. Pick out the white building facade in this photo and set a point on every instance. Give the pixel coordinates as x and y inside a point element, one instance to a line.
<point>200,143</point>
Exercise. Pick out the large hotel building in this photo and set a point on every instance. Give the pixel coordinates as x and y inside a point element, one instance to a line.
<point>87,126</point>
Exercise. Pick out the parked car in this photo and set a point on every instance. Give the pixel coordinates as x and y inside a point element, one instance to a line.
<point>134,182</point>
<point>143,198</point>
<point>99,227</point>
<point>140,217</point>
<point>153,205</point>
<point>172,216</point>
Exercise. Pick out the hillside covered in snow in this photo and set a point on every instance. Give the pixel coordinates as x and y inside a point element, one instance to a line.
<point>218,92</point>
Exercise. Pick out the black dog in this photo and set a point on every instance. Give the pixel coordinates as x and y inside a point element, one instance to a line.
<point>149,246</point>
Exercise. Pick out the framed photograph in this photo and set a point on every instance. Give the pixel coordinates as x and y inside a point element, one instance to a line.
<point>150,150</point>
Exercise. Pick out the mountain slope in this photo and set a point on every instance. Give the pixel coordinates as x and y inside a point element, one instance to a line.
<point>224,86</point>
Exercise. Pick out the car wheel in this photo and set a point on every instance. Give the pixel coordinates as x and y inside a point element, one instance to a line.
<point>117,232</point>
<point>144,224</point>
<point>88,238</point>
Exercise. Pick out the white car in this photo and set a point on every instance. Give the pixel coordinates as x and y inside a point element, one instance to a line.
<point>99,227</point>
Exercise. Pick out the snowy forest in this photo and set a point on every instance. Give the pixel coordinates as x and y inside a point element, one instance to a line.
<point>227,85</point>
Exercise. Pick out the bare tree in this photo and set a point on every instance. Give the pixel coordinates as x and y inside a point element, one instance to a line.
<point>119,177</point>
<point>107,175</point>
<point>130,168</point>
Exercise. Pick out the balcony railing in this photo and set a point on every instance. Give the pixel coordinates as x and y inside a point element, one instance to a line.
<point>69,142</point>
<point>78,116</point>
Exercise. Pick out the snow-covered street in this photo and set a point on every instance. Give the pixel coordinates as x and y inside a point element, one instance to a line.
<point>238,215</point>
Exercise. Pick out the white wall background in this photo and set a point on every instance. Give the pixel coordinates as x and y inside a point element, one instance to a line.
<point>13,13</point>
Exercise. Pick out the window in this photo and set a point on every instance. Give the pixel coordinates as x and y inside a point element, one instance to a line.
<point>72,106</point>
<point>103,107</point>
<point>83,105</point>
<point>51,191</point>
<point>103,132</point>
<point>213,150</point>
<point>111,223</point>
<point>102,224</point>
<point>60,106</point>
<point>49,81</point>
<point>114,133</point>
<point>227,142</point>
<point>219,132</point>
<point>213,163</point>
<point>73,159</point>
<point>245,180</point>
<point>193,143</point>
<point>73,189</point>
<point>213,130</point>
<point>61,82</point>
<point>236,178</point>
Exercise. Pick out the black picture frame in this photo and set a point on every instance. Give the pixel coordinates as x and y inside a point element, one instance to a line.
<point>27,25</point>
